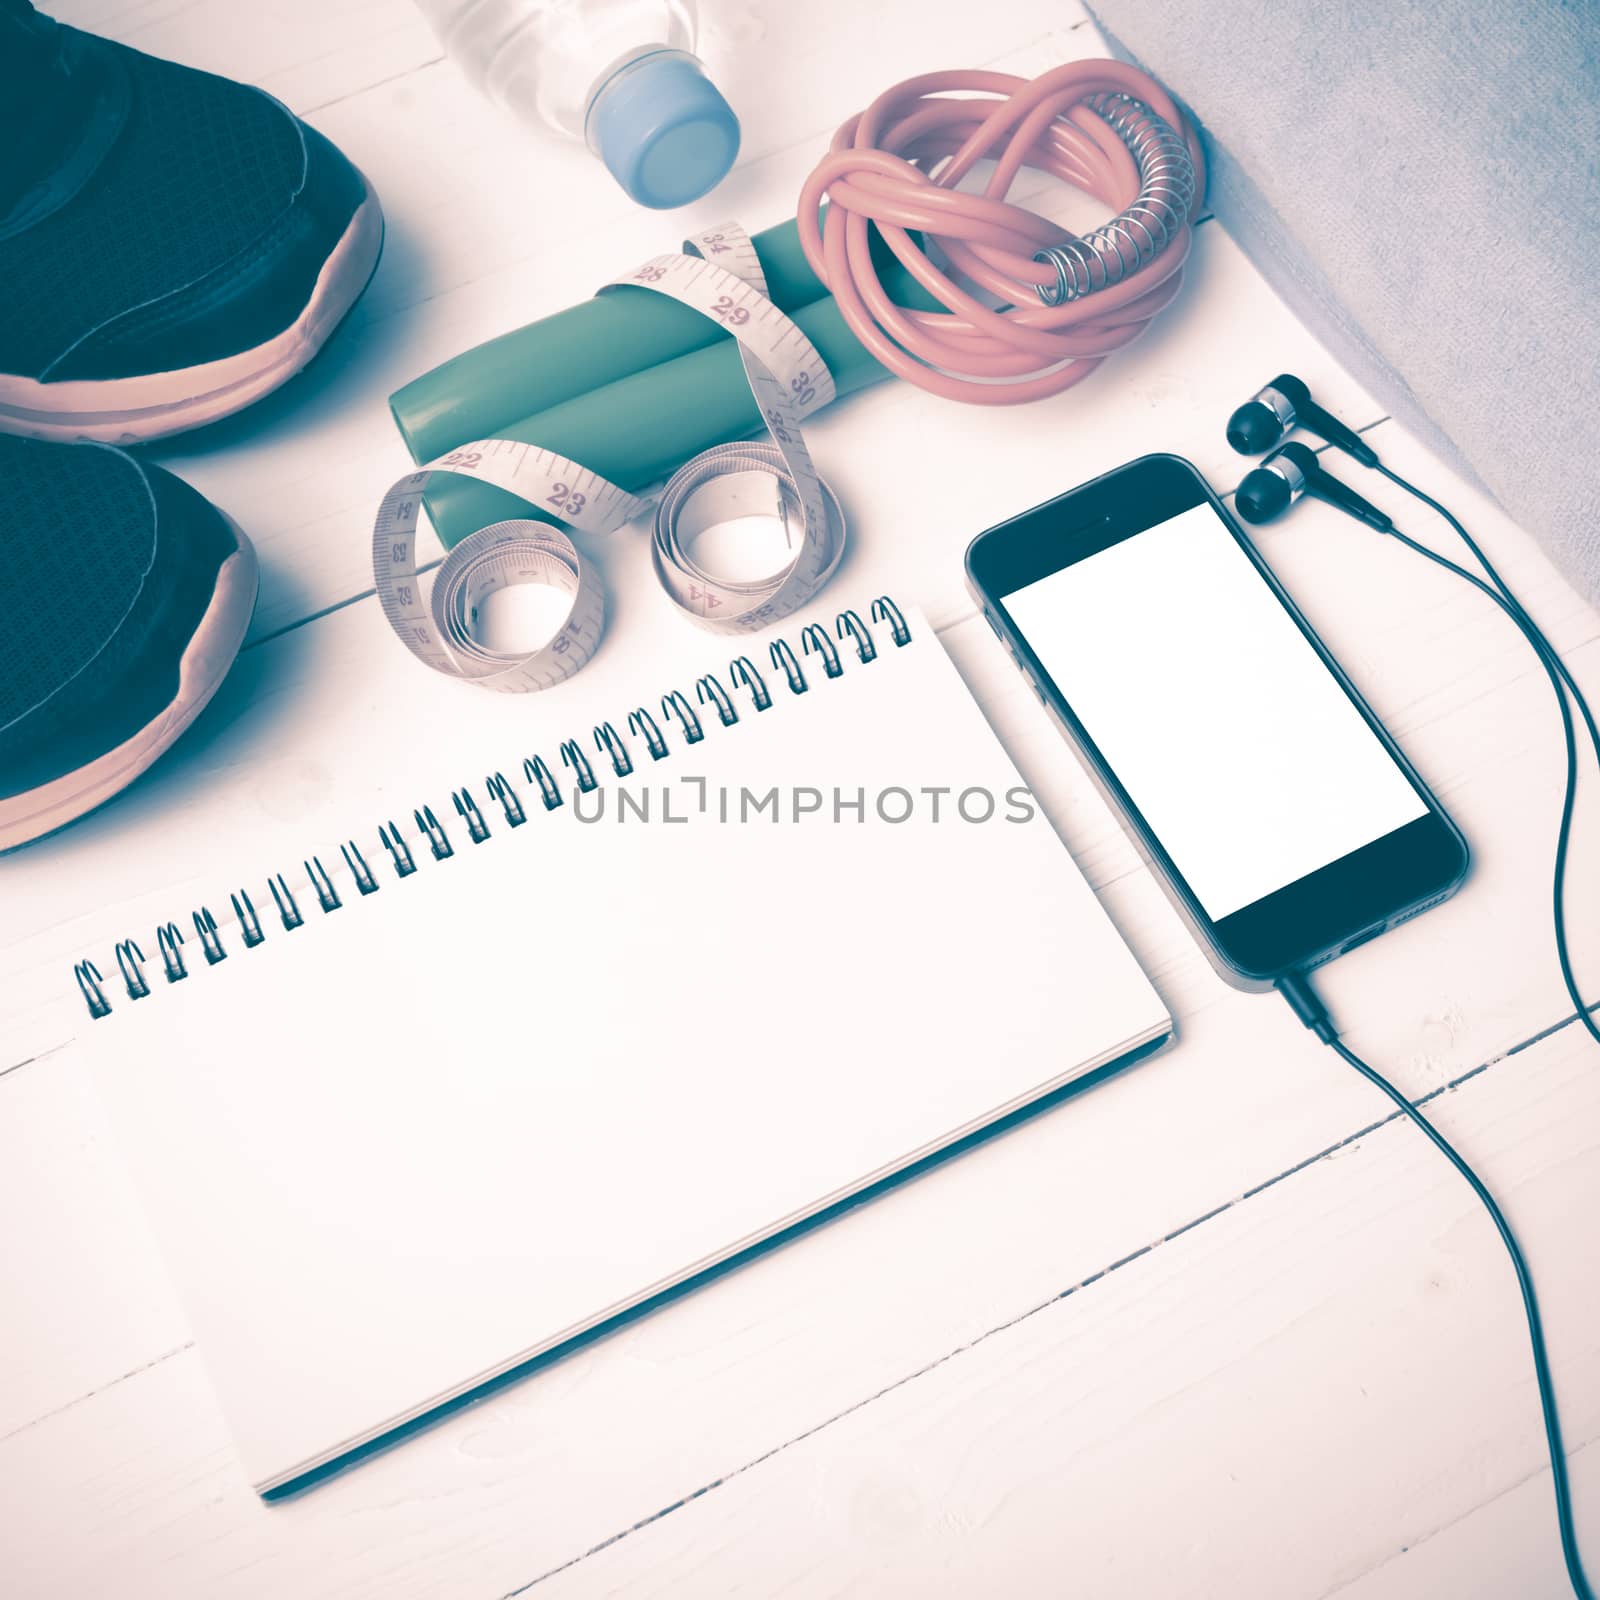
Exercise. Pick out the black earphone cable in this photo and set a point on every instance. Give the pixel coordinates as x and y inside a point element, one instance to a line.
<point>1555,671</point>
<point>1562,681</point>
<point>1308,1006</point>
<point>1488,566</point>
<point>1296,988</point>
<point>1311,1011</point>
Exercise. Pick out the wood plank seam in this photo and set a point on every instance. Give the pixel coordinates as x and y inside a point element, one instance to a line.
<point>394,77</point>
<point>1555,1027</point>
<point>1103,1273</point>
<point>1085,1282</point>
<point>43,1055</point>
<point>328,610</point>
<point>1540,1470</point>
<point>110,1383</point>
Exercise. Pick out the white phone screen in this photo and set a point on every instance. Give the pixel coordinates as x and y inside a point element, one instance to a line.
<point>1244,754</point>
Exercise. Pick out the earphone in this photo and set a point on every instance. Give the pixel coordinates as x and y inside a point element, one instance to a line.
<point>1292,471</point>
<point>1285,403</point>
<point>1289,472</point>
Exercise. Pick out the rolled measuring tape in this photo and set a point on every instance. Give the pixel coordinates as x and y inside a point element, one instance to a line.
<point>774,478</point>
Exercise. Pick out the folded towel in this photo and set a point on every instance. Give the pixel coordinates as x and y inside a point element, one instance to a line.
<point>1421,185</point>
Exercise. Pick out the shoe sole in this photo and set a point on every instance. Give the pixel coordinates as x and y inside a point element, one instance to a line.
<point>134,410</point>
<point>206,660</point>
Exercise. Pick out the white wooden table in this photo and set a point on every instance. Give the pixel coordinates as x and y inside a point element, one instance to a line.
<point>1219,1328</point>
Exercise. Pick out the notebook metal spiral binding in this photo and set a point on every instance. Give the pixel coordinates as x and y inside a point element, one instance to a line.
<point>500,789</point>
<point>360,872</point>
<point>743,672</point>
<point>170,943</point>
<point>643,725</point>
<point>673,704</point>
<point>467,810</point>
<point>130,962</point>
<point>751,695</point>
<point>205,927</point>
<point>535,771</point>
<point>322,884</point>
<point>609,744</point>
<point>783,659</point>
<point>712,693</point>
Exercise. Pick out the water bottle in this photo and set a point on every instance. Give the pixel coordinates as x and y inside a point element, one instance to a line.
<point>619,74</point>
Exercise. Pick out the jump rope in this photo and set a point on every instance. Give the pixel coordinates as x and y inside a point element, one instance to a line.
<point>1065,302</point>
<point>1006,307</point>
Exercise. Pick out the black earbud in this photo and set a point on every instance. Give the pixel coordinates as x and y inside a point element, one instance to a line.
<point>1291,471</point>
<point>1285,403</point>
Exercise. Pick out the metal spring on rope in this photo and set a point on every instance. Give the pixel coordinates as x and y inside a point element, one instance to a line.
<point>1137,235</point>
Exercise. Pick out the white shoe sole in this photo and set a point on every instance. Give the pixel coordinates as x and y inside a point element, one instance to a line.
<point>210,653</point>
<point>133,410</point>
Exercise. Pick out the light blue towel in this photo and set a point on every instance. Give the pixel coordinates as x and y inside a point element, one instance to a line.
<point>1421,183</point>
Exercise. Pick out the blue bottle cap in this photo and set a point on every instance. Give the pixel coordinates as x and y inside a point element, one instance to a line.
<point>663,129</point>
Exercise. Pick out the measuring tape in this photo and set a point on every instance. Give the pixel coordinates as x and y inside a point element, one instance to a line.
<point>718,275</point>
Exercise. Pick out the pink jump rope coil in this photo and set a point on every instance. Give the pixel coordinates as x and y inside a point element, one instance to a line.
<point>1067,301</point>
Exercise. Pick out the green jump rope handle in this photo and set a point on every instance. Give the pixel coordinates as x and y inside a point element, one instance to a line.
<point>479,393</point>
<point>632,421</point>
<point>642,428</point>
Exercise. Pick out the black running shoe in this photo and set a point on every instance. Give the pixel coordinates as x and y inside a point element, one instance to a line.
<point>124,597</point>
<point>173,245</point>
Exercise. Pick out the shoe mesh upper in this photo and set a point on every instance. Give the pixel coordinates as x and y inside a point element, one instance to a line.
<point>201,170</point>
<point>41,105</point>
<point>80,537</point>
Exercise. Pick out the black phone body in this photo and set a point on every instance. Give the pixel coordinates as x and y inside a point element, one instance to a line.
<point>1283,821</point>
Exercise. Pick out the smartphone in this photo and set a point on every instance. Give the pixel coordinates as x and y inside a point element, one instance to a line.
<point>1281,818</point>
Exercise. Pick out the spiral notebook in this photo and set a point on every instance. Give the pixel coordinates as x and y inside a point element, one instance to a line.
<point>477,1083</point>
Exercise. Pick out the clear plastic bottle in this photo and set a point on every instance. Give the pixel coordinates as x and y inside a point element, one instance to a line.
<point>619,74</point>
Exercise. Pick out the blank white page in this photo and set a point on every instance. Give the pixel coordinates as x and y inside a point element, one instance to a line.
<point>456,1122</point>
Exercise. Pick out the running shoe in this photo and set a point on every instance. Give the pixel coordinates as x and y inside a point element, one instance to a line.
<point>124,598</point>
<point>173,245</point>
